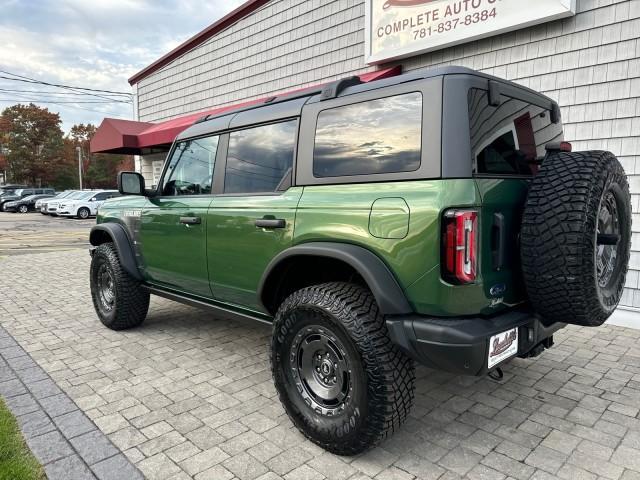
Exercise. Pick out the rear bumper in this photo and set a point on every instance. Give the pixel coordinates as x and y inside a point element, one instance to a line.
<point>461,345</point>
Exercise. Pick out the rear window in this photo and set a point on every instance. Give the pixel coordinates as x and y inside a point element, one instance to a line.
<point>368,138</point>
<point>508,139</point>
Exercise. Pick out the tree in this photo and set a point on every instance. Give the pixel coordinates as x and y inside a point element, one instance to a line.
<point>99,170</point>
<point>33,143</point>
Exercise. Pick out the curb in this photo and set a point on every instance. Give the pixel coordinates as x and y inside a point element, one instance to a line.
<point>64,440</point>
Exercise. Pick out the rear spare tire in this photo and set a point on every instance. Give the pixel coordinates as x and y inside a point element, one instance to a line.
<point>575,239</point>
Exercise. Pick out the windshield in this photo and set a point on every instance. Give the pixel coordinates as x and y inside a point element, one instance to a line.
<point>66,194</point>
<point>79,195</point>
<point>30,197</point>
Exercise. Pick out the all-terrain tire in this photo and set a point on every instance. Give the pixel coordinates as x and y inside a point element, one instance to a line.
<point>381,376</point>
<point>129,301</point>
<point>560,241</point>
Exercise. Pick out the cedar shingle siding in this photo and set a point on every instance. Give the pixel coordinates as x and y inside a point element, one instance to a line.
<point>590,63</point>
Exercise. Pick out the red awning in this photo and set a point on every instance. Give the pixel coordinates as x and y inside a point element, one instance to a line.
<point>125,136</point>
<point>118,136</point>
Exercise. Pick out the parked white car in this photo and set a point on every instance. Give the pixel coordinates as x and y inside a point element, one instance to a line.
<point>87,205</point>
<point>41,205</point>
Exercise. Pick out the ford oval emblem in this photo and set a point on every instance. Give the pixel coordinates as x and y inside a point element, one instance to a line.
<point>498,290</point>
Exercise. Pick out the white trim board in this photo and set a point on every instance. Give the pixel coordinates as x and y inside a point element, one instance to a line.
<point>625,317</point>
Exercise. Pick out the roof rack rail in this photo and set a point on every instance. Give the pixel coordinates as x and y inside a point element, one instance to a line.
<point>326,92</point>
<point>333,89</point>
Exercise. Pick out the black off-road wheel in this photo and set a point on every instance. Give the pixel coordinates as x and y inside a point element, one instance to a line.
<point>340,379</point>
<point>119,299</point>
<point>576,236</point>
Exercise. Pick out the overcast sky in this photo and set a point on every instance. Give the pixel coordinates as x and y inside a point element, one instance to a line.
<point>92,43</point>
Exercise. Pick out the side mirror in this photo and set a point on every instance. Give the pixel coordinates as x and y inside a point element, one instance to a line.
<point>93,199</point>
<point>130,183</point>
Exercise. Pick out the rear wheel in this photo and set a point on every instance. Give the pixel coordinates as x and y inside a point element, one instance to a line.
<point>119,299</point>
<point>23,209</point>
<point>84,213</point>
<point>342,381</point>
<point>576,237</point>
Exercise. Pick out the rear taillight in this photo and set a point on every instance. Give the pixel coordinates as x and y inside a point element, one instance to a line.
<point>460,246</point>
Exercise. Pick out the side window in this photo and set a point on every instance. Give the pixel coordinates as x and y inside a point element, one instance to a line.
<point>260,159</point>
<point>373,137</point>
<point>190,170</point>
<point>38,191</point>
<point>102,196</point>
<point>508,139</point>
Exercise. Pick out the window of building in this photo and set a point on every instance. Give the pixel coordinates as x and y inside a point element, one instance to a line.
<point>368,138</point>
<point>190,170</point>
<point>508,139</point>
<point>260,159</point>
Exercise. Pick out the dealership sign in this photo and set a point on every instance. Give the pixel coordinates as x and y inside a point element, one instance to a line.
<point>399,28</point>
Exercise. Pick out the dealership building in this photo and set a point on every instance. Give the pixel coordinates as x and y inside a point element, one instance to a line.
<point>585,54</point>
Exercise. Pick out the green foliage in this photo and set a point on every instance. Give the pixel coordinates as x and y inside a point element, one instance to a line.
<point>32,139</point>
<point>39,155</point>
<point>99,170</point>
<point>16,461</point>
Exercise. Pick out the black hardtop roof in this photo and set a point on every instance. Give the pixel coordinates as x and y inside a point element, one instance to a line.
<point>292,104</point>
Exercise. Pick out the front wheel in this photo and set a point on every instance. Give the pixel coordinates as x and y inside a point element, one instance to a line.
<point>341,380</point>
<point>84,213</point>
<point>118,298</point>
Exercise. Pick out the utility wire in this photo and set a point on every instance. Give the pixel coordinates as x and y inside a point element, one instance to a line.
<point>62,86</point>
<point>24,97</point>
<point>32,100</point>
<point>79,94</point>
<point>19,78</point>
<point>75,107</point>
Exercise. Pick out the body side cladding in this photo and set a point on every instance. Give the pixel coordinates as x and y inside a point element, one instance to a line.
<point>382,283</point>
<point>116,233</point>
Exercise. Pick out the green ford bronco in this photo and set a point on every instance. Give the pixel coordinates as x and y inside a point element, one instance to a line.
<point>436,217</point>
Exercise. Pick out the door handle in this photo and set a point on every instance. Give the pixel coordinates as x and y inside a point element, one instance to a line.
<point>190,220</point>
<point>271,223</point>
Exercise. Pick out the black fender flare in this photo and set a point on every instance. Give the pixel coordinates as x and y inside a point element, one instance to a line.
<point>380,280</point>
<point>118,236</point>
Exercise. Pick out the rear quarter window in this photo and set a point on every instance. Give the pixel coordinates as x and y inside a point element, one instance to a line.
<point>509,139</point>
<point>368,138</point>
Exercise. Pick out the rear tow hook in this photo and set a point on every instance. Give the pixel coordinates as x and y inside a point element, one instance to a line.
<point>496,374</point>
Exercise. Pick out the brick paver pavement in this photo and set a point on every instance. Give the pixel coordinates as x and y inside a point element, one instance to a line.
<point>187,395</point>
